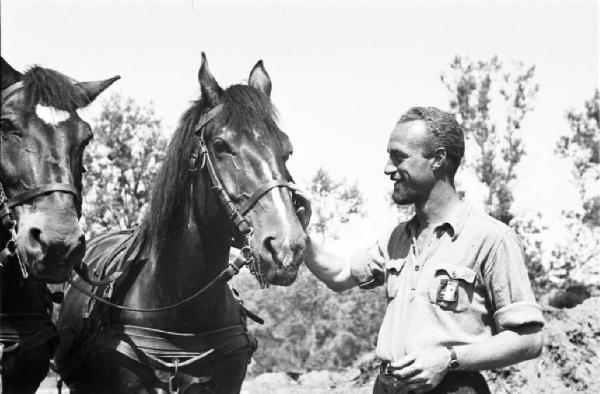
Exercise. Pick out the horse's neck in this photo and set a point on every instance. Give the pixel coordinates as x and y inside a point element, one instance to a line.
<point>194,259</point>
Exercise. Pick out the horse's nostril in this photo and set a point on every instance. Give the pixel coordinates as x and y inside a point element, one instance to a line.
<point>35,235</point>
<point>268,243</point>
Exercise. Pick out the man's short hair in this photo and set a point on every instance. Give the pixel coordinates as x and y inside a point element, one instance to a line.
<point>445,133</point>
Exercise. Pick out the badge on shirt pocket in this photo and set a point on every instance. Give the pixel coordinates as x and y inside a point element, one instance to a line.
<point>447,292</point>
<point>452,287</point>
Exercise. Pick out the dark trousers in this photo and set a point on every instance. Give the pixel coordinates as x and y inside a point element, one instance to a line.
<point>455,382</point>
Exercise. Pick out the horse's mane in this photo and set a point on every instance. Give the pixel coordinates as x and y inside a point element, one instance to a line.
<point>53,89</point>
<point>244,108</point>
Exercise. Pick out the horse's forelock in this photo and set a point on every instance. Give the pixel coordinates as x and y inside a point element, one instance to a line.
<point>53,89</point>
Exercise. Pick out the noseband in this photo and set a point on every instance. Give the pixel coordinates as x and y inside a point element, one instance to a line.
<point>236,214</point>
<point>7,217</point>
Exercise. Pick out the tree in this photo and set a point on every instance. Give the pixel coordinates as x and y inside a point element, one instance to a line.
<point>121,162</point>
<point>577,259</point>
<point>334,203</point>
<point>492,102</point>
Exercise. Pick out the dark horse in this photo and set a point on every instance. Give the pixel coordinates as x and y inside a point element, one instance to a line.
<point>41,145</point>
<point>224,175</point>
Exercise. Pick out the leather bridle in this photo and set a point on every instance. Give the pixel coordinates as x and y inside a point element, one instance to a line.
<point>7,217</point>
<point>199,160</point>
<point>237,214</point>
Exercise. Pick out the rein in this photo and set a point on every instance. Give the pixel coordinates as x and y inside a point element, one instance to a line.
<point>7,217</point>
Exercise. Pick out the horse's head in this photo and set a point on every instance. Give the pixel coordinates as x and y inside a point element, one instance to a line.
<point>41,146</point>
<point>248,153</point>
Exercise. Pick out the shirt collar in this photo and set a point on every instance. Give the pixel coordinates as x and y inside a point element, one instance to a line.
<point>453,223</point>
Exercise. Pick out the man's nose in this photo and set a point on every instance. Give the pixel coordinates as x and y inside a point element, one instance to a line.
<point>390,168</point>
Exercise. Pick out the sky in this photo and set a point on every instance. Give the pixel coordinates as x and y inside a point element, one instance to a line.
<point>343,71</point>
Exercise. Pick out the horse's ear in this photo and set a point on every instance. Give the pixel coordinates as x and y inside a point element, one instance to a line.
<point>9,74</point>
<point>259,78</point>
<point>209,87</point>
<point>93,89</point>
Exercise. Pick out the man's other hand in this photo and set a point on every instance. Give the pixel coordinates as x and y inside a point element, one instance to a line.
<point>422,371</point>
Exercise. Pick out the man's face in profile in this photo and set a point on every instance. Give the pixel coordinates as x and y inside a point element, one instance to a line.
<point>407,166</point>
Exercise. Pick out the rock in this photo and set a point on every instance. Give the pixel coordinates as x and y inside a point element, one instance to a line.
<point>273,379</point>
<point>321,379</point>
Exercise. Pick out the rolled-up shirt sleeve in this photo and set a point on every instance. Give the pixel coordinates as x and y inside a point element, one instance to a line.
<point>507,284</point>
<point>368,267</point>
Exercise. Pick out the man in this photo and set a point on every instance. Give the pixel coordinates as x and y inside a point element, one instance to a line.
<point>459,299</point>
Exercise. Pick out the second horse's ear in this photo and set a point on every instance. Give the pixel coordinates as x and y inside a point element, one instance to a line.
<point>209,88</point>
<point>93,89</point>
<point>259,79</point>
<point>9,74</point>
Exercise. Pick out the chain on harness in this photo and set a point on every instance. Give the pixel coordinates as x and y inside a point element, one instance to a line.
<point>10,223</point>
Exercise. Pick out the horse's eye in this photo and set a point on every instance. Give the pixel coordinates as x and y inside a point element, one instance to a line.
<point>7,126</point>
<point>220,147</point>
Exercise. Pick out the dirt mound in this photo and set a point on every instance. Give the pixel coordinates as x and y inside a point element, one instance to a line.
<point>569,363</point>
<point>570,360</point>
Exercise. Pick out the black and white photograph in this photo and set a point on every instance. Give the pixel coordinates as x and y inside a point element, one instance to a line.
<point>300,196</point>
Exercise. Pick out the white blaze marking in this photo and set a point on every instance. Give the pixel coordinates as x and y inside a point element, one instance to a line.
<point>51,115</point>
<point>285,252</point>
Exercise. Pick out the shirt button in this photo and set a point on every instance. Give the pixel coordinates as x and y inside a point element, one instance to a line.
<point>416,267</point>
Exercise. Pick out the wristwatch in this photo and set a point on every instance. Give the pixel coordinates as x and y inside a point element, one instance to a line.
<point>453,364</point>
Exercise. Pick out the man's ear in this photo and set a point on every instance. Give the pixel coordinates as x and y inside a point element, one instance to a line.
<point>440,158</point>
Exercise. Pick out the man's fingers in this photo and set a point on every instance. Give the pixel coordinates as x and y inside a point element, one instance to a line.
<point>403,362</point>
<point>407,372</point>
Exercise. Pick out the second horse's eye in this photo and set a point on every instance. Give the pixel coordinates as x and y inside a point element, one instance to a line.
<point>6,125</point>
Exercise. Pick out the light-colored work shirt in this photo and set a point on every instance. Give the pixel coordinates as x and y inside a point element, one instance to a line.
<point>467,283</point>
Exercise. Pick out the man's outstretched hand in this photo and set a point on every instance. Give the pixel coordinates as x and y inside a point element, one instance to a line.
<point>303,207</point>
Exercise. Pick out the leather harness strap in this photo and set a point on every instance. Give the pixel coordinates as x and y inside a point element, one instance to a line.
<point>25,331</point>
<point>45,189</point>
<point>261,191</point>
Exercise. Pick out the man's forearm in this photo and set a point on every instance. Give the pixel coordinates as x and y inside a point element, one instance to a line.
<point>330,269</point>
<point>504,349</point>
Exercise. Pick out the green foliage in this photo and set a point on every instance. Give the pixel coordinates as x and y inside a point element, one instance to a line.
<point>121,162</point>
<point>577,259</point>
<point>492,100</point>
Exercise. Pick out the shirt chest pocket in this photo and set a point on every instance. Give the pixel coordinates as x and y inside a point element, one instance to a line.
<point>452,287</point>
